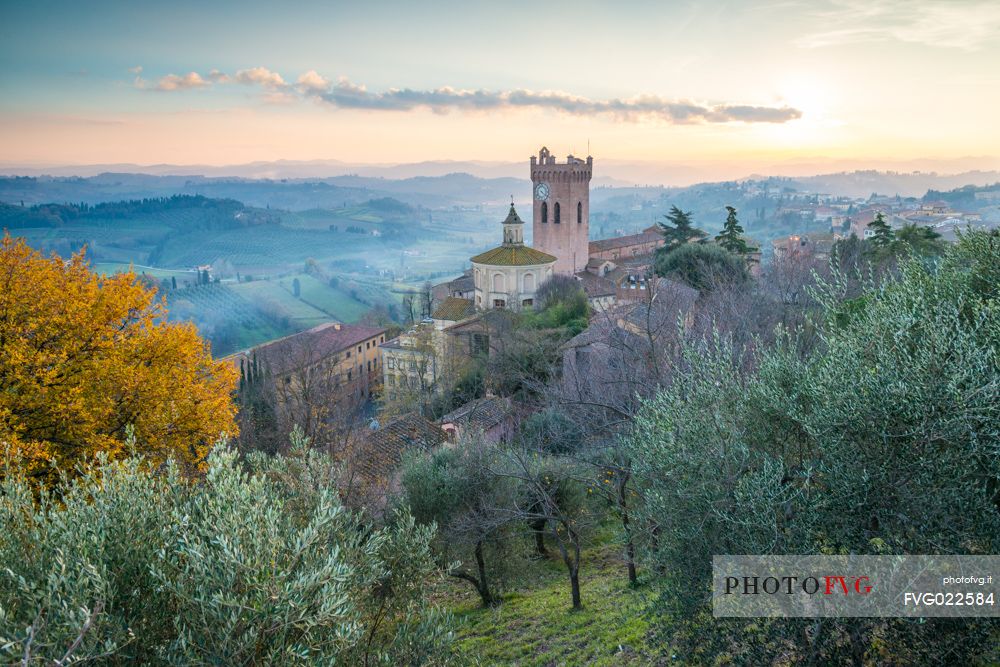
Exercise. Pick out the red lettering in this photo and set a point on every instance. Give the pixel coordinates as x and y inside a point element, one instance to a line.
<point>830,581</point>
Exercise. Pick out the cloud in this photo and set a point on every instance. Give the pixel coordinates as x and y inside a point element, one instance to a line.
<point>943,23</point>
<point>187,81</point>
<point>311,81</point>
<point>261,76</point>
<point>215,76</point>
<point>347,95</point>
<point>137,70</point>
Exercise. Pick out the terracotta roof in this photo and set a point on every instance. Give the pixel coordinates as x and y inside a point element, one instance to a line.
<point>454,309</point>
<point>482,413</point>
<point>308,347</point>
<point>624,241</point>
<point>518,255</point>
<point>595,286</point>
<point>385,447</point>
<point>461,284</point>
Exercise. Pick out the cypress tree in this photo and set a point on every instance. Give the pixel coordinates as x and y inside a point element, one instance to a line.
<point>881,231</point>
<point>731,237</point>
<point>679,229</point>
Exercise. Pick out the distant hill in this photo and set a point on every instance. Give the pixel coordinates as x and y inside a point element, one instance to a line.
<point>915,184</point>
<point>455,189</point>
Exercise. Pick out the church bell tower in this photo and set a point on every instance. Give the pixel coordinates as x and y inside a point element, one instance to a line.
<point>561,212</point>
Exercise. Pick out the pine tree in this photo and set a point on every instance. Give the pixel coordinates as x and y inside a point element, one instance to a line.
<point>680,229</point>
<point>731,237</point>
<point>881,231</point>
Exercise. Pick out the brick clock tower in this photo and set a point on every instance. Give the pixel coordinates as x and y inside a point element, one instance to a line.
<point>561,215</point>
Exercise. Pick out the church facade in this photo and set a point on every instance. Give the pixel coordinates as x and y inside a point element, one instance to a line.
<point>509,275</point>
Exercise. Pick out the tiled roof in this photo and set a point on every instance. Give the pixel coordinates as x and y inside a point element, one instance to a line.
<point>461,284</point>
<point>454,309</point>
<point>385,447</point>
<point>624,241</point>
<point>309,347</point>
<point>482,413</point>
<point>518,255</point>
<point>595,286</point>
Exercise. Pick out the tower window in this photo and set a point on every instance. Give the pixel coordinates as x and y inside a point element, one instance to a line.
<point>579,213</point>
<point>545,211</point>
<point>556,214</point>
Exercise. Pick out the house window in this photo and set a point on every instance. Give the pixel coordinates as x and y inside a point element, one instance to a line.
<point>480,343</point>
<point>348,376</point>
<point>367,345</point>
<point>359,349</point>
<point>545,211</point>
<point>528,302</point>
<point>556,216</point>
<point>347,355</point>
<point>392,363</point>
<point>579,213</point>
<point>499,303</point>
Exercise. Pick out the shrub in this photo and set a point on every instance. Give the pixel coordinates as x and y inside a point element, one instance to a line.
<point>702,266</point>
<point>131,564</point>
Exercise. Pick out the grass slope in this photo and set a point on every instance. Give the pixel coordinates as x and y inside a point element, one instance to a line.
<point>270,292</point>
<point>333,301</point>
<point>536,627</point>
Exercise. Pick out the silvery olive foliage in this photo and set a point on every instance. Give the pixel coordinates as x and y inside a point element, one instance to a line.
<point>253,564</point>
<point>883,439</point>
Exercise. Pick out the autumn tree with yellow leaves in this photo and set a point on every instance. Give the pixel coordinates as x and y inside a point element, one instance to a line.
<point>84,357</point>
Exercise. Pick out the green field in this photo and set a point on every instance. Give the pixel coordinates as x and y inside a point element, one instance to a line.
<point>226,318</point>
<point>269,294</point>
<point>334,302</point>
<point>182,275</point>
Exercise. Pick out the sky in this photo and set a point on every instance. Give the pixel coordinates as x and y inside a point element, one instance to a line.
<point>753,83</point>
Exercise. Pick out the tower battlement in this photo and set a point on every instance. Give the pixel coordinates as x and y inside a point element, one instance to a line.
<point>545,166</point>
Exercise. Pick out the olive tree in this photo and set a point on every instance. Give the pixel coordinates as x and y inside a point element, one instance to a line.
<point>882,439</point>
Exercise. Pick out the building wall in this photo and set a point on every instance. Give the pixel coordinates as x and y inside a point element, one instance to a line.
<point>569,186</point>
<point>644,247</point>
<point>519,283</point>
<point>353,373</point>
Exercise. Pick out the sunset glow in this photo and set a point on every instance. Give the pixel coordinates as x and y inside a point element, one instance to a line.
<point>756,84</point>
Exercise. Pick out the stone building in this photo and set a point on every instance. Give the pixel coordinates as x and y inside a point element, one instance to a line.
<point>509,275</point>
<point>341,361</point>
<point>625,247</point>
<point>561,212</point>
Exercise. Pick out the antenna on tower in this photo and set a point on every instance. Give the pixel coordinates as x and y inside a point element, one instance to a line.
<point>588,146</point>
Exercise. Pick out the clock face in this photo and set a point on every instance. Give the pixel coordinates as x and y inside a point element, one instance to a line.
<point>542,191</point>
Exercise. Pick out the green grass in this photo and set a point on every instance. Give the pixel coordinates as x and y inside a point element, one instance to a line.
<point>536,627</point>
<point>335,302</point>
<point>302,315</point>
